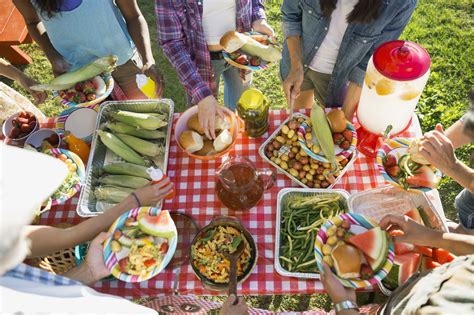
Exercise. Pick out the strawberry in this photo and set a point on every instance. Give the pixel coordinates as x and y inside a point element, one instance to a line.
<point>69,96</point>
<point>32,125</point>
<point>337,138</point>
<point>389,161</point>
<point>91,97</point>
<point>78,87</point>
<point>442,256</point>
<point>366,272</point>
<point>79,97</point>
<point>234,55</point>
<point>14,133</point>
<point>348,135</point>
<point>393,171</point>
<point>255,61</point>
<point>62,94</point>
<point>242,59</point>
<point>88,87</point>
<point>345,145</point>
<point>25,128</point>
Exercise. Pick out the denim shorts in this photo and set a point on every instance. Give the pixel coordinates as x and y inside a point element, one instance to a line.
<point>464,203</point>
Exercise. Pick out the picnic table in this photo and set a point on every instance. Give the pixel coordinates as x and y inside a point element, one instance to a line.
<point>195,195</point>
<point>13,32</point>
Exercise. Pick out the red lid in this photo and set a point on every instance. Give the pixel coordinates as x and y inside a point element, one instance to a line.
<point>401,60</point>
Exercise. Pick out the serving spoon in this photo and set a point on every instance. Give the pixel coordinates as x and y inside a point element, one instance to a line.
<point>233,257</point>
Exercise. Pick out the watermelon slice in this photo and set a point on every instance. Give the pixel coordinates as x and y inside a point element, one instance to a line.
<point>403,248</point>
<point>424,177</point>
<point>414,214</point>
<point>374,245</point>
<point>442,256</point>
<point>428,263</point>
<point>426,251</point>
<point>409,264</point>
<point>161,225</point>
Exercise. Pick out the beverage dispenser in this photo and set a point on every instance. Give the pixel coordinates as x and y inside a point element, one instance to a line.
<point>396,75</point>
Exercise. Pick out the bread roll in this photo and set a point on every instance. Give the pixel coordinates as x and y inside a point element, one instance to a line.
<point>191,141</point>
<point>222,141</point>
<point>415,155</point>
<point>207,149</point>
<point>220,124</point>
<point>347,260</point>
<point>232,41</point>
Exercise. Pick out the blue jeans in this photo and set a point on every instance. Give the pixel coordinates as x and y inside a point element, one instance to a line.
<point>464,203</point>
<point>234,85</point>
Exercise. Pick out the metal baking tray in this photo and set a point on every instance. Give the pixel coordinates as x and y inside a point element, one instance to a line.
<point>376,203</point>
<point>304,191</point>
<point>88,206</point>
<point>261,152</point>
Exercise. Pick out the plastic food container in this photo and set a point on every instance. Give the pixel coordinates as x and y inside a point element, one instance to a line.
<point>285,193</point>
<point>8,126</point>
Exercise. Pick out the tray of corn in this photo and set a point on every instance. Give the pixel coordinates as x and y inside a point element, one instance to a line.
<point>130,137</point>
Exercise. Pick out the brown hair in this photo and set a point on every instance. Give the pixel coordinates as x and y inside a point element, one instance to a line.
<point>365,11</point>
<point>48,7</point>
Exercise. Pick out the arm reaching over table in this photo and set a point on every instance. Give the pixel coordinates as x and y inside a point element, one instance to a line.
<point>47,239</point>
<point>414,233</point>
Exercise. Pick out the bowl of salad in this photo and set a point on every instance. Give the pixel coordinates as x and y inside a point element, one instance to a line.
<point>208,260</point>
<point>72,183</point>
<point>142,243</point>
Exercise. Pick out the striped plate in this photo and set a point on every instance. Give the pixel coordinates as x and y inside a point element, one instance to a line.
<point>81,172</point>
<point>111,259</point>
<point>354,219</point>
<point>397,147</point>
<point>304,129</point>
<point>109,83</point>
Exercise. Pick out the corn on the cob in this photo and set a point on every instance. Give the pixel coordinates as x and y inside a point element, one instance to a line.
<point>145,121</point>
<point>120,148</point>
<point>68,79</point>
<point>141,146</point>
<point>123,181</point>
<point>135,131</point>
<point>122,168</point>
<point>111,193</point>
<point>323,132</point>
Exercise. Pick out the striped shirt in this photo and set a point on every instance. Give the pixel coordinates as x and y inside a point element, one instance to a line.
<point>181,36</point>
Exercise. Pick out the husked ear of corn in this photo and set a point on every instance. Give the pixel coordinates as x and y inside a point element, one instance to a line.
<point>142,120</point>
<point>68,79</point>
<point>141,146</point>
<point>323,132</point>
<point>123,181</point>
<point>111,193</point>
<point>122,168</point>
<point>121,149</point>
<point>120,127</point>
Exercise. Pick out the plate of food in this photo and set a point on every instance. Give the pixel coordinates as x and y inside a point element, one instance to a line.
<point>88,92</point>
<point>249,51</point>
<point>142,243</point>
<point>358,251</point>
<point>72,183</point>
<point>208,252</point>
<point>400,163</point>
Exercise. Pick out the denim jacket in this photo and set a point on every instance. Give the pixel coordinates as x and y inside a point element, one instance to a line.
<point>305,18</point>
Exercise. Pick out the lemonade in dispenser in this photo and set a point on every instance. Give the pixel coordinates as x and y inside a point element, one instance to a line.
<point>395,78</point>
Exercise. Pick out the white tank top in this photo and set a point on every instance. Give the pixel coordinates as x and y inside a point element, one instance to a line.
<point>326,55</point>
<point>218,17</point>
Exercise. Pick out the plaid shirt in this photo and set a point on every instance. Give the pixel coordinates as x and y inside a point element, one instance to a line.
<point>25,272</point>
<point>181,36</point>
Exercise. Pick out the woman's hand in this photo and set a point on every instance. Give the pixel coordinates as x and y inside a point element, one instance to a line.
<point>261,26</point>
<point>95,258</point>
<point>208,108</point>
<point>59,66</point>
<point>292,83</point>
<point>238,309</point>
<point>151,71</point>
<point>334,287</point>
<point>413,232</point>
<point>436,147</point>
<point>151,194</point>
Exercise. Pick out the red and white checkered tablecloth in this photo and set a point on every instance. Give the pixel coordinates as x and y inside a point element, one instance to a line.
<point>195,182</point>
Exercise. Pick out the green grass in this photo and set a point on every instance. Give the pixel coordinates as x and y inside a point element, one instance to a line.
<point>443,27</point>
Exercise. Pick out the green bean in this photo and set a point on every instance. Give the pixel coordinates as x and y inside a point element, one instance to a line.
<point>285,259</point>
